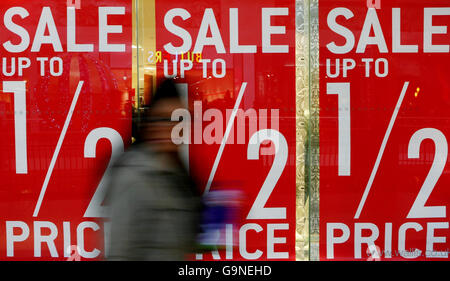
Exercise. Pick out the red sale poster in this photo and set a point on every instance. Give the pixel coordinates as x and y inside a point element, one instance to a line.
<point>65,113</point>
<point>384,130</point>
<point>235,63</point>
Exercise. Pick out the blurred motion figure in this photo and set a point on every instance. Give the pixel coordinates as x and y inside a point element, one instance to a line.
<point>154,205</point>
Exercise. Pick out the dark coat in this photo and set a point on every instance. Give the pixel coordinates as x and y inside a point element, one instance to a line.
<point>153,207</point>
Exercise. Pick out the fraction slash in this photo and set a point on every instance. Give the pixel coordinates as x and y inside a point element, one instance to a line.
<point>225,137</point>
<point>58,148</point>
<point>380,153</point>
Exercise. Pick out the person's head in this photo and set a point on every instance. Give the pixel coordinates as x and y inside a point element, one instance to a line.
<point>156,127</point>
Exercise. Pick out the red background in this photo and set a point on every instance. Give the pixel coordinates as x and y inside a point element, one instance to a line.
<point>103,102</point>
<point>373,99</point>
<point>271,85</point>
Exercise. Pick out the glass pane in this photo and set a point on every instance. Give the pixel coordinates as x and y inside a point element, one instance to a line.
<point>238,67</point>
<point>383,130</point>
<point>65,113</point>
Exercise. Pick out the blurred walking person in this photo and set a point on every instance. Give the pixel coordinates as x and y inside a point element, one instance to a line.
<point>154,205</point>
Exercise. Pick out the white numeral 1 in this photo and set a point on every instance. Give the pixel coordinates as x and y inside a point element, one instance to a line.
<point>418,209</point>
<point>343,92</point>
<point>20,122</point>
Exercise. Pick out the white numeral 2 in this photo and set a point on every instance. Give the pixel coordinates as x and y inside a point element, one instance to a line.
<point>418,209</point>
<point>258,210</point>
<point>95,208</point>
